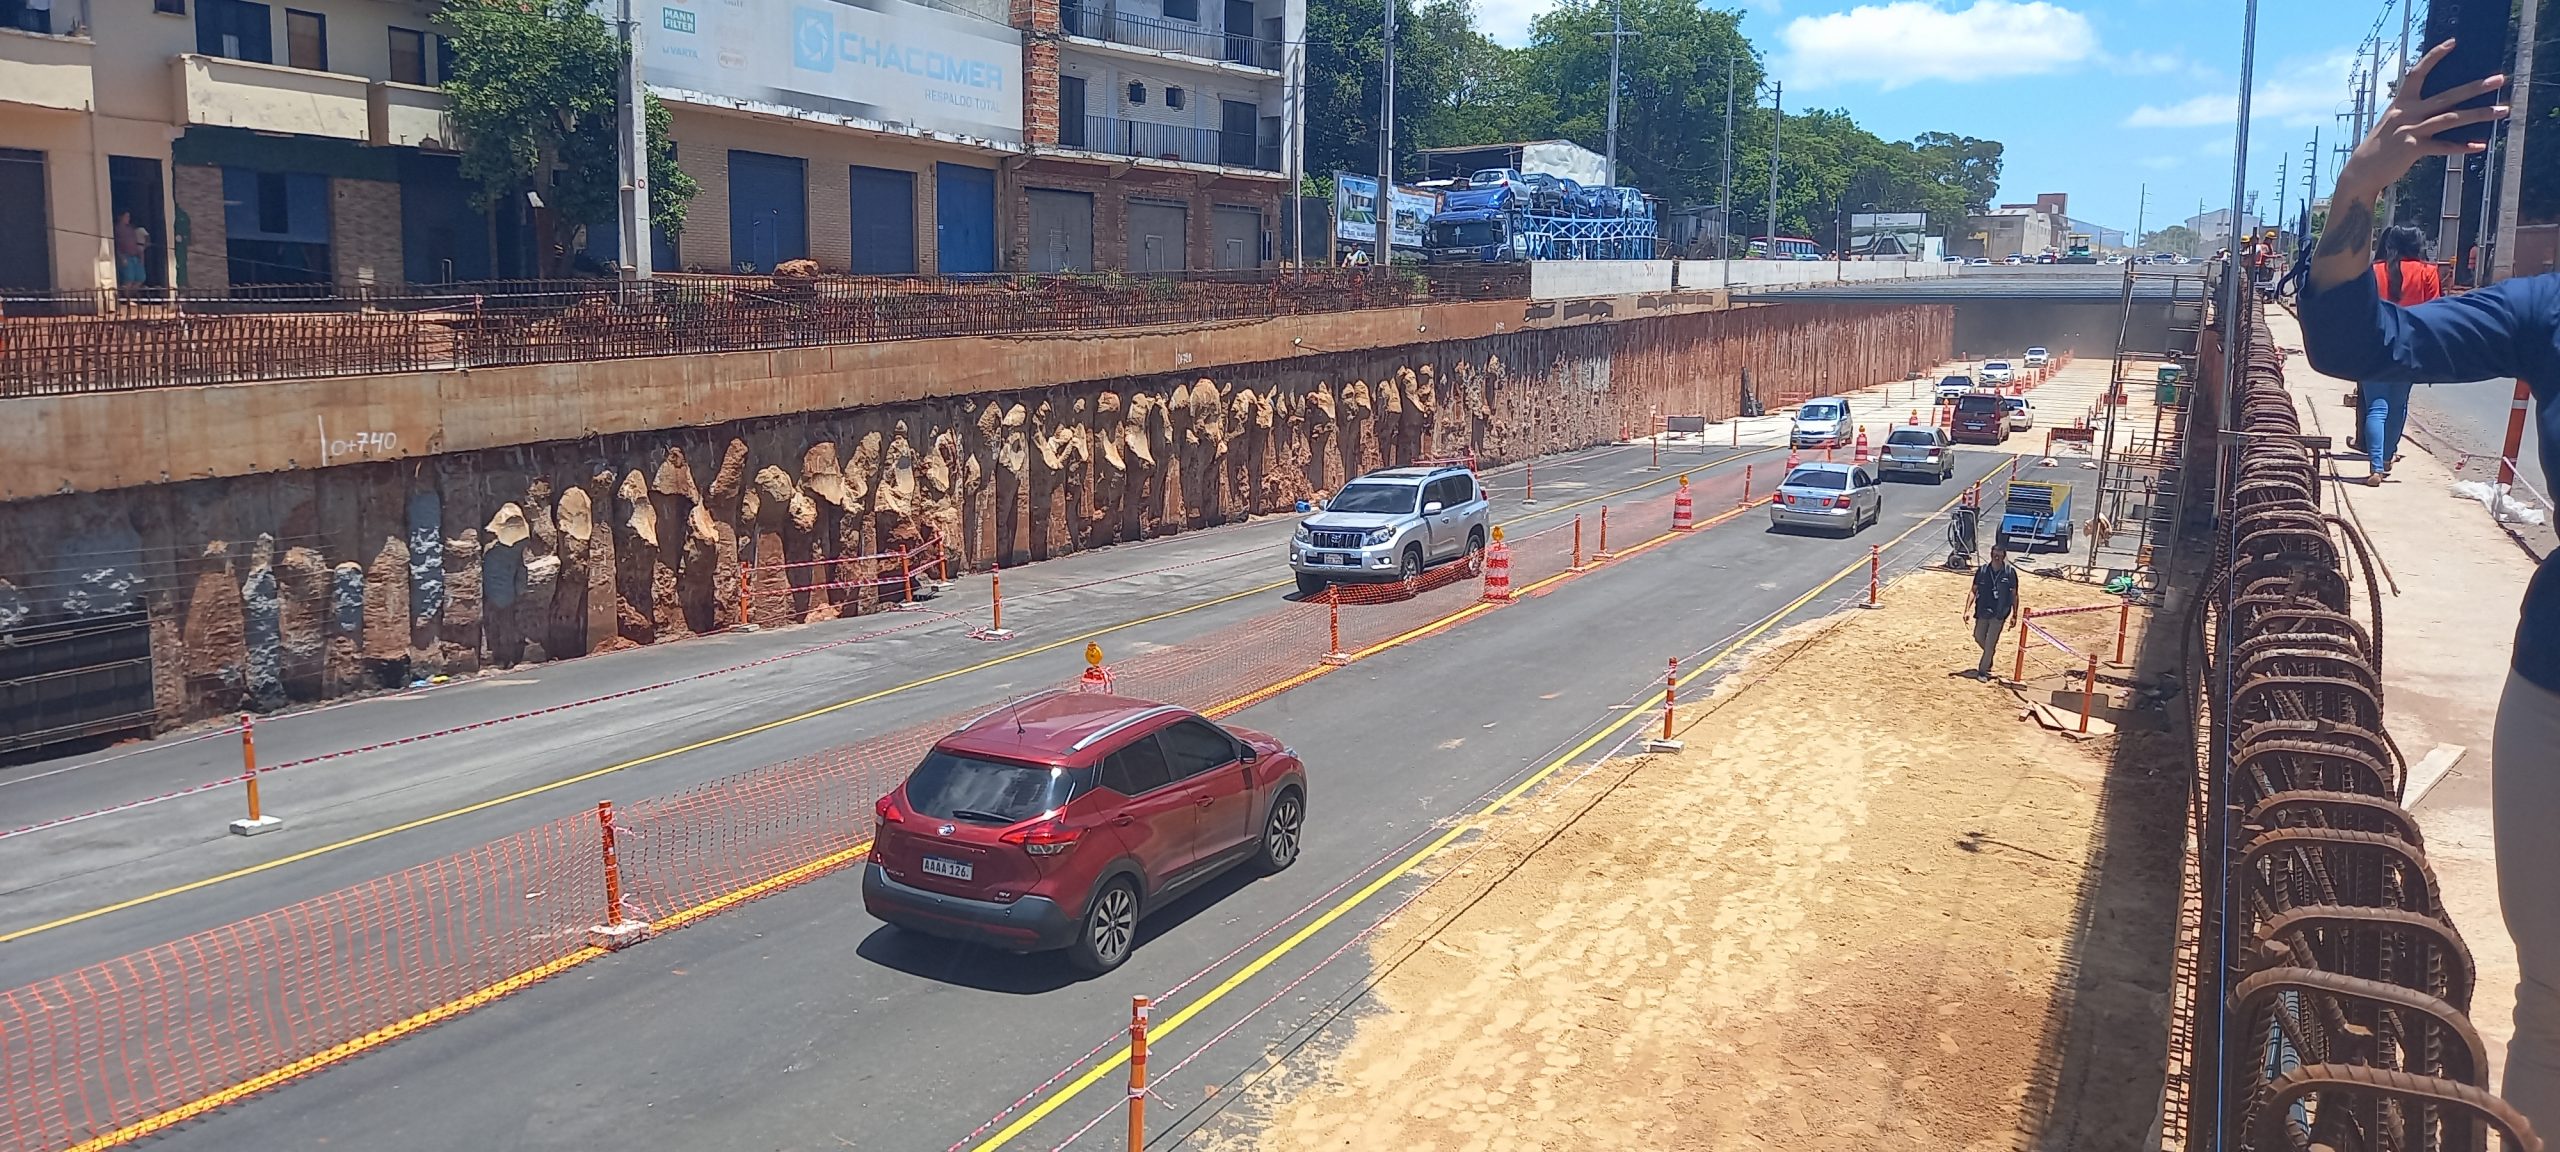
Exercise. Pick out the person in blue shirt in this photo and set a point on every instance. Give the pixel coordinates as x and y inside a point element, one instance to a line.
<point>2511,328</point>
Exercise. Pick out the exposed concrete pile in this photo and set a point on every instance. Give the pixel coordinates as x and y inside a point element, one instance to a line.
<point>374,574</point>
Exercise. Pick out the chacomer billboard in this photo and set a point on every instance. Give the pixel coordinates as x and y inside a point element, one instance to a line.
<point>1355,200</point>
<point>1887,235</point>
<point>887,61</point>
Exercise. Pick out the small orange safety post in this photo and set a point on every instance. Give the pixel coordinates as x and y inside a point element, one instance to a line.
<point>618,930</point>
<point>1745,502</point>
<point>259,820</point>
<point>746,597</point>
<point>1656,438</point>
<point>1137,1073</point>
<point>1096,678</point>
<point>1603,553</point>
<point>995,630</point>
<point>2088,691</point>
<point>1875,574</point>
<point>1577,542</point>
<point>1794,458</point>
<point>1735,425</point>
<point>1529,495</point>
<point>1683,508</point>
<point>907,601</point>
<point>2018,674</point>
<point>2124,618</point>
<point>1333,653</point>
<point>1497,569</point>
<point>1670,690</point>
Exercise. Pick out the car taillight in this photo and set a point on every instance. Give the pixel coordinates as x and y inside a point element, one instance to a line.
<point>1835,501</point>
<point>886,809</point>
<point>1046,838</point>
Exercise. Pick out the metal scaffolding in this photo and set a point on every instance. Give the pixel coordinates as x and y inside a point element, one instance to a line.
<point>2134,523</point>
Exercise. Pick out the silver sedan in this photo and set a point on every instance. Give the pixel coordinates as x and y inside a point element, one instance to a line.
<point>1840,497</point>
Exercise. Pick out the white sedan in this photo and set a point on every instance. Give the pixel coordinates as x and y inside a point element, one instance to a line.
<point>1997,372</point>
<point>2022,413</point>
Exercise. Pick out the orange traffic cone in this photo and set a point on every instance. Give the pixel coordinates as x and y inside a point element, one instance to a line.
<point>1497,569</point>
<point>1096,678</point>
<point>1793,458</point>
<point>1683,511</point>
<point>1861,456</point>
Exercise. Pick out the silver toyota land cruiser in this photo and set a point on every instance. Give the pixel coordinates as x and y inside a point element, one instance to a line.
<point>1390,525</point>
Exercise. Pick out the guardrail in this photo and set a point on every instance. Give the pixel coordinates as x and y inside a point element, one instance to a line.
<point>2320,995</point>
<point>122,1049</point>
<point>73,343</point>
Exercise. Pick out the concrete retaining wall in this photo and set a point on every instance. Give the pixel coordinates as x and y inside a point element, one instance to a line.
<point>1568,279</point>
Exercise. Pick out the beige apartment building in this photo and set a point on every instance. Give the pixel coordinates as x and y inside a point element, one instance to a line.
<point>296,146</point>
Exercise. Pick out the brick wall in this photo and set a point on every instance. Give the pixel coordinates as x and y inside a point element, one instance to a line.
<point>197,188</point>
<point>1196,191</point>
<point>364,233</point>
<point>1038,21</point>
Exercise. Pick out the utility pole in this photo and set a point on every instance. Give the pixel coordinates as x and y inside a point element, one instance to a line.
<point>2283,185</point>
<point>2399,68</point>
<point>631,124</point>
<point>1725,199</point>
<point>1385,210</point>
<point>1777,125</point>
<point>1617,35</point>
<point>2141,206</point>
<point>2518,122</point>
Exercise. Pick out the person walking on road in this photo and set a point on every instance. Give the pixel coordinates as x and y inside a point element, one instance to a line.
<point>2511,328</point>
<point>1989,605</point>
<point>2407,280</point>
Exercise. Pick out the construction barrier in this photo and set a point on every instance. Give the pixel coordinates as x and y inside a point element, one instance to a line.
<point>789,591</point>
<point>123,1048</point>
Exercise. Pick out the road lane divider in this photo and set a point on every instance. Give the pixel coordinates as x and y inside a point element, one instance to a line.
<point>504,914</point>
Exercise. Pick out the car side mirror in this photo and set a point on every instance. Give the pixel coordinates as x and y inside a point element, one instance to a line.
<point>1431,509</point>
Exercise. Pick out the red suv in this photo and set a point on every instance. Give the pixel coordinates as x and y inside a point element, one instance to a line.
<point>1058,820</point>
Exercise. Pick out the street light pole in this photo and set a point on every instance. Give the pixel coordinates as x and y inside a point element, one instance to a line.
<point>1385,207</point>
<point>1777,125</point>
<point>632,129</point>
<point>1617,35</point>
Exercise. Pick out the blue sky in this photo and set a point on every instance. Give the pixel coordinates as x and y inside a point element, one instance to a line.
<point>2095,98</point>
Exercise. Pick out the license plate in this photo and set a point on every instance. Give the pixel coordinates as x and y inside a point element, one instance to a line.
<point>1337,559</point>
<point>954,869</point>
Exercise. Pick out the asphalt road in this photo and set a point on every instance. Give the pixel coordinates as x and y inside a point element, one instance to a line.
<point>797,1022</point>
<point>90,891</point>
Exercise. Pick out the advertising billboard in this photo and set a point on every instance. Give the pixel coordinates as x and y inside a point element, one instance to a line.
<point>887,61</point>
<point>1355,205</point>
<point>1887,235</point>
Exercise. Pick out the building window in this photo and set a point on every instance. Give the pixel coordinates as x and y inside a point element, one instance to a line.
<point>306,40</point>
<point>1173,97</point>
<point>1137,94</point>
<point>408,56</point>
<point>169,7</point>
<point>1182,10</point>
<point>276,226</point>
<point>1071,125</point>
<point>234,30</point>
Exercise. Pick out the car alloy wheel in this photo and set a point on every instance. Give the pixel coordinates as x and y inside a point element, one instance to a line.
<point>1110,927</point>
<point>1280,832</point>
<point>1475,555</point>
<point>1410,569</point>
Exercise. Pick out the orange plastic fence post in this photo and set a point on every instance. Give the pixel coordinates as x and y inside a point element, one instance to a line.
<point>1745,502</point>
<point>617,931</point>
<point>1736,425</point>
<point>1603,554</point>
<point>1333,653</point>
<point>258,820</point>
<point>1137,1073</point>
<point>746,596</point>
<point>1577,541</point>
<point>995,585</point>
<point>2088,691</point>
<point>1530,483</point>
<point>2124,618</point>
<point>1875,571</point>
<point>2018,674</point>
<point>1670,690</point>
<point>1656,438</point>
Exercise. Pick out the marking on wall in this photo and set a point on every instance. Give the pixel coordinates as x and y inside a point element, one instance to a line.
<point>359,444</point>
<point>1181,358</point>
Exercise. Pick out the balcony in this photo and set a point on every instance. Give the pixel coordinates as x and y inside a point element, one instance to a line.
<point>270,98</point>
<point>41,71</point>
<point>1177,142</point>
<point>408,116</point>
<point>1235,47</point>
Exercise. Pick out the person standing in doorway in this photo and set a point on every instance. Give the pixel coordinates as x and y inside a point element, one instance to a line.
<point>131,242</point>
<point>2401,270</point>
<point>1993,599</point>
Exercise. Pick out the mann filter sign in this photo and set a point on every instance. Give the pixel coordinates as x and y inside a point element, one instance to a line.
<point>1355,211</point>
<point>887,61</point>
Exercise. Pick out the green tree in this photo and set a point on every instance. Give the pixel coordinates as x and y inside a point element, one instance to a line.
<point>2175,239</point>
<point>1963,162</point>
<point>1455,86</point>
<point>533,89</point>
<point>1672,76</point>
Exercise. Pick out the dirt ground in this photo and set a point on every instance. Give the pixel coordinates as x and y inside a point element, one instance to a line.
<point>1866,903</point>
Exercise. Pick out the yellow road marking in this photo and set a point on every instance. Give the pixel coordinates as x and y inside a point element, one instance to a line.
<point>1633,713</point>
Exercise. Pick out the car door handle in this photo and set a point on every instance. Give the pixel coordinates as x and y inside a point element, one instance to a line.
<point>1122,820</point>
<point>1206,801</point>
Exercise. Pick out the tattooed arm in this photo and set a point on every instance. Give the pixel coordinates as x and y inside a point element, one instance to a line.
<point>2406,132</point>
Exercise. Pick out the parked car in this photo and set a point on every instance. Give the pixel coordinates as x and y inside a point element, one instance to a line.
<point>1820,421</point>
<point>1981,418</point>
<point>1390,525</point>
<point>2013,259</point>
<point>1951,259</point>
<point>1058,821</point>
<point>1841,497</point>
<point>2048,258</point>
<point>2022,413</point>
<point>1950,387</point>
<point>1979,262</point>
<point>2038,357</point>
<point>1996,372</point>
<point>1913,450</point>
<point>1494,178</point>
<point>1546,193</point>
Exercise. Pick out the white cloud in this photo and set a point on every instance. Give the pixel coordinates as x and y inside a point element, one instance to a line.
<point>1906,42</point>
<point>1507,21</point>
<point>2299,93</point>
<point>2157,163</point>
<point>2193,112</point>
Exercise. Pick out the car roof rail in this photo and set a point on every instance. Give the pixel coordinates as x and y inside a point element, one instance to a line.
<point>1105,732</point>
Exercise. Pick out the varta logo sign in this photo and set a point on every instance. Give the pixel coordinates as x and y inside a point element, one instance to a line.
<point>816,46</point>
<point>676,20</point>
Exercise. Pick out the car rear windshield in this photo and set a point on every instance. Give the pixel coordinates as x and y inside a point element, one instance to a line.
<point>1818,478</point>
<point>1818,412</point>
<point>1956,382</point>
<point>1373,498</point>
<point>953,787</point>
<point>1978,405</point>
<point>1912,436</point>
<point>2016,403</point>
